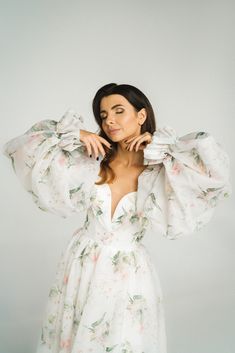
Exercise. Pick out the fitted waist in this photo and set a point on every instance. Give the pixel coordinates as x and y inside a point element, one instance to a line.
<point>124,239</point>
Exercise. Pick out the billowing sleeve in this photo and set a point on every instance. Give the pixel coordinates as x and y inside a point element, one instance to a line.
<point>191,177</point>
<point>52,164</point>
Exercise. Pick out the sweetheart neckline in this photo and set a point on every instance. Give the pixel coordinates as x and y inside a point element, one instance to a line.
<point>119,202</point>
<point>111,218</point>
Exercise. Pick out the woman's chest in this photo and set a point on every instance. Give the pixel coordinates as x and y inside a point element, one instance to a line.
<point>124,184</point>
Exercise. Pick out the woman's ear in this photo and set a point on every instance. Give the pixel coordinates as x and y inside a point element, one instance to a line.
<point>142,116</point>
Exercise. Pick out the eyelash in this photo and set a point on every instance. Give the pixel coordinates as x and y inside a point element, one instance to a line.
<point>102,118</point>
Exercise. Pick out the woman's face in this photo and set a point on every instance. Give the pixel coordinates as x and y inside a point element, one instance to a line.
<point>119,115</point>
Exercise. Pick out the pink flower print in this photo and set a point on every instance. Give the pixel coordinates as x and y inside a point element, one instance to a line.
<point>176,169</point>
<point>106,237</point>
<point>65,343</point>
<point>62,160</point>
<point>94,257</point>
<point>140,214</point>
<point>124,275</point>
<point>65,279</point>
<point>33,138</point>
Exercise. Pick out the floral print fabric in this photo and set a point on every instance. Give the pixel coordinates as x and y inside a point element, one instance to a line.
<point>107,296</point>
<point>194,177</point>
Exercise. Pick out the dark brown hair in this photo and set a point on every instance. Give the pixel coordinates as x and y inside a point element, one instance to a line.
<point>138,101</point>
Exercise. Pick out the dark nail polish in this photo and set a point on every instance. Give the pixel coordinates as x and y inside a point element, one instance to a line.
<point>90,155</point>
<point>97,158</point>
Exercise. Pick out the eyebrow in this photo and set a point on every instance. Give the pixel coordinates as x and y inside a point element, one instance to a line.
<point>114,106</point>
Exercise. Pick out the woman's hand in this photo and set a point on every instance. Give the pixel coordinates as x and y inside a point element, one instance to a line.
<point>138,142</point>
<point>93,141</point>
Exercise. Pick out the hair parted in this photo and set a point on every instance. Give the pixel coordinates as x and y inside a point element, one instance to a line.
<point>138,101</point>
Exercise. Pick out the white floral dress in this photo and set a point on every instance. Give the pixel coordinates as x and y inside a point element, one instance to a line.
<point>106,296</point>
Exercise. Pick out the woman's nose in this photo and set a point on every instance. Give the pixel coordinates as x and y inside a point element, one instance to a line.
<point>109,120</point>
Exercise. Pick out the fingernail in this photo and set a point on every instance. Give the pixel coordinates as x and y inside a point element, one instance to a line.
<point>97,158</point>
<point>90,155</point>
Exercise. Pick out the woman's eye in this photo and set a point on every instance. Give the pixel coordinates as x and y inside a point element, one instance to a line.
<point>104,117</point>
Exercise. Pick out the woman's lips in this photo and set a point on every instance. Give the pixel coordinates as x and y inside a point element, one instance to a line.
<point>114,131</point>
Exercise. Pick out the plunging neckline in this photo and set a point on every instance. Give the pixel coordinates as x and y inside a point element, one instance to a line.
<point>111,217</point>
<point>119,202</point>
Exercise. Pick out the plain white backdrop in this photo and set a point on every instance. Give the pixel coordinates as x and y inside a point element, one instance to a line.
<point>55,55</point>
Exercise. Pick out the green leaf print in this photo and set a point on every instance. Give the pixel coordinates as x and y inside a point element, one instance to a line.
<point>110,349</point>
<point>137,236</point>
<point>42,125</point>
<point>97,329</point>
<point>126,347</point>
<point>82,256</point>
<point>51,319</point>
<point>120,219</point>
<point>73,191</point>
<point>208,196</point>
<point>40,143</point>
<point>123,260</point>
<point>54,291</point>
<point>134,218</point>
<point>200,134</point>
<point>153,199</point>
<point>33,194</point>
<point>76,322</point>
<point>99,212</point>
<point>12,163</point>
<point>197,158</point>
<point>87,251</point>
<point>115,258</point>
<point>69,159</point>
<point>96,323</point>
<point>137,296</point>
<point>137,305</point>
<point>68,306</point>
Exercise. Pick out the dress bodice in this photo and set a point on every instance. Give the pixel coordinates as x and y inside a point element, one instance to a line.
<point>123,229</point>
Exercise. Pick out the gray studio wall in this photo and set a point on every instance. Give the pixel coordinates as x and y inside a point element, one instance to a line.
<point>55,55</point>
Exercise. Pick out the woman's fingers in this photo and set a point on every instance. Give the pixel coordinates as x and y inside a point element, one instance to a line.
<point>99,140</point>
<point>141,139</point>
<point>130,147</point>
<point>93,142</point>
<point>139,143</point>
<point>105,142</point>
<point>146,138</point>
<point>95,148</point>
<point>88,147</point>
<point>101,148</point>
<point>94,145</point>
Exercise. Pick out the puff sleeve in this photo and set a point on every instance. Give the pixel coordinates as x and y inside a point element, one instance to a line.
<point>192,177</point>
<point>52,164</point>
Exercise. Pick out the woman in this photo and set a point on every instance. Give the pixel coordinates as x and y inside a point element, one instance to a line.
<point>107,296</point>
